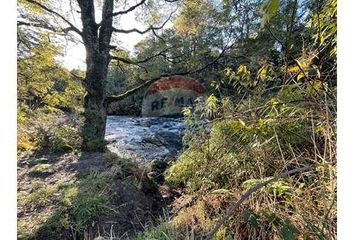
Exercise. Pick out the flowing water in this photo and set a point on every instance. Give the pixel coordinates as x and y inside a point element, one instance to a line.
<point>144,138</point>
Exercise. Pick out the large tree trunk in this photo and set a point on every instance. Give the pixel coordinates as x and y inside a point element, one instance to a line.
<point>96,38</point>
<point>95,112</point>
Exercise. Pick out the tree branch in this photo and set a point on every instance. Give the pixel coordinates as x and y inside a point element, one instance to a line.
<point>129,9</point>
<point>75,29</point>
<point>110,99</point>
<point>151,28</point>
<point>128,61</point>
<point>45,26</point>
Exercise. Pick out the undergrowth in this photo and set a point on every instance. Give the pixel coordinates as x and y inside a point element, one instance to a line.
<point>247,143</point>
<point>77,206</point>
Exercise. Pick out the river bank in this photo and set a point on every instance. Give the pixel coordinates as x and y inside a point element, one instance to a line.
<point>113,193</point>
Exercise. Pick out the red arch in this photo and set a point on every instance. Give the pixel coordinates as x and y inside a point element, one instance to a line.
<point>175,82</point>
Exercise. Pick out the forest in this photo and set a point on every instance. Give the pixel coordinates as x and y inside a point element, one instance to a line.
<point>257,157</point>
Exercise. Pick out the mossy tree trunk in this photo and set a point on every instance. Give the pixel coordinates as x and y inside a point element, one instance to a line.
<point>95,112</point>
<point>96,38</point>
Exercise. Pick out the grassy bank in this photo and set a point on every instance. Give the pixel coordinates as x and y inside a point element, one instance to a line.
<point>244,145</point>
<point>83,196</point>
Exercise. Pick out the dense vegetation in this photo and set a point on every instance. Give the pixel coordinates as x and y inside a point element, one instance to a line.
<point>270,69</point>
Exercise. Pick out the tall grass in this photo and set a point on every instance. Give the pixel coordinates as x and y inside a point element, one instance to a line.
<point>243,146</point>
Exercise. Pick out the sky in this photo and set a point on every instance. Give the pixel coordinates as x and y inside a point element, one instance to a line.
<point>75,53</point>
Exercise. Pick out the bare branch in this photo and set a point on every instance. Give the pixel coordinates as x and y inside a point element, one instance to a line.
<point>151,28</point>
<point>72,27</point>
<point>156,35</point>
<point>45,26</point>
<point>129,9</point>
<point>36,25</point>
<point>128,61</point>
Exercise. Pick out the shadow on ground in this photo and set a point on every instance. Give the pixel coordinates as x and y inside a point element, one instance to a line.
<point>84,196</point>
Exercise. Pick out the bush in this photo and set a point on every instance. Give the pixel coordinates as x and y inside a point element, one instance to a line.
<point>245,145</point>
<point>47,131</point>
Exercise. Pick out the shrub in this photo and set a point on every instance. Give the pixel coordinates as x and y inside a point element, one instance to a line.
<point>247,144</point>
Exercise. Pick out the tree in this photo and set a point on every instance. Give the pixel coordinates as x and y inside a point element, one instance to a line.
<point>97,39</point>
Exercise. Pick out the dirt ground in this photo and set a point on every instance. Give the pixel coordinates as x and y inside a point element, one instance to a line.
<point>133,203</point>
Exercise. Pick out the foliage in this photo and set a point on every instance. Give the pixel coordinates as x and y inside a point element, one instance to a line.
<point>258,127</point>
<point>49,102</point>
<point>254,143</point>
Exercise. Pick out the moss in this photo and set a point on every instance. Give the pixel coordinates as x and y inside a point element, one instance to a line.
<point>40,196</point>
<point>94,145</point>
<point>69,194</point>
<point>42,167</point>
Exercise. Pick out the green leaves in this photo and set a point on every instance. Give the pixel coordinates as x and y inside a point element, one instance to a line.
<point>251,218</point>
<point>325,24</point>
<point>277,188</point>
<point>193,18</point>
<point>269,9</point>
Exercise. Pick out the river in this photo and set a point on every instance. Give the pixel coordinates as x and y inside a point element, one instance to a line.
<point>144,139</point>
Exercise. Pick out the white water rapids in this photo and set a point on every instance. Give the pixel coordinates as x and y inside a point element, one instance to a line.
<point>144,139</point>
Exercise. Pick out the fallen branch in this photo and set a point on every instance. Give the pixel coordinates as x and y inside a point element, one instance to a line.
<point>247,194</point>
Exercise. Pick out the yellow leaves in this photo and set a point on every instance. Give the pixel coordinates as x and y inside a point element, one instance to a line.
<point>53,109</point>
<point>274,102</point>
<point>228,71</point>
<point>262,72</point>
<point>300,75</point>
<point>211,107</point>
<point>293,69</point>
<point>242,122</point>
<point>32,7</point>
<point>303,68</point>
<point>212,99</point>
<point>187,111</point>
<point>25,141</point>
<point>40,77</point>
<point>242,70</point>
<point>21,118</point>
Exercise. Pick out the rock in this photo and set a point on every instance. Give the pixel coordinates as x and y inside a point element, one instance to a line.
<point>156,169</point>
